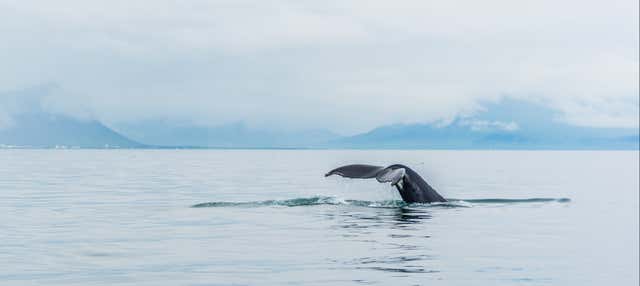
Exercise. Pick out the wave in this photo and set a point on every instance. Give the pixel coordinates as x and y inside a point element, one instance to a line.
<point>312,201</point>
<point>514,201</point>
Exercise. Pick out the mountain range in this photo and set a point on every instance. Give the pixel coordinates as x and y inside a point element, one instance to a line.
<point>509,124</point>
<point>44,130</point>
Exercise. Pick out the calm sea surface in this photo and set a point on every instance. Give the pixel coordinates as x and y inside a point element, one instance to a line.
<point>264,217</point>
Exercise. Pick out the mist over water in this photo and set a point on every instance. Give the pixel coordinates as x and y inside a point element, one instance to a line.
<point>267,217</point>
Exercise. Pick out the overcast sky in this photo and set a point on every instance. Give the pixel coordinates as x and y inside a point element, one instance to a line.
<point>343,65</point>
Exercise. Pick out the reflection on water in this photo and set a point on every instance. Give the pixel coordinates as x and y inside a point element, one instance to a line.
<point>407,244</point>
<point>387,218</point>
<point>408,216</point>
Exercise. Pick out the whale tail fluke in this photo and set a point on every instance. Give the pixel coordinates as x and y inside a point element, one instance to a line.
<point>358,171</point>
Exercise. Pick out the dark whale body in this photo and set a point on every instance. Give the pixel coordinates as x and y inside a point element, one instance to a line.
<point>412,188</point>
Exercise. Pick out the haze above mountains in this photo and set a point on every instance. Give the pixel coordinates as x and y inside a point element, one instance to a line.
<point>508,124</point>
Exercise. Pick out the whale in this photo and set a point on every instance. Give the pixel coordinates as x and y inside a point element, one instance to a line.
<point>412,187</point>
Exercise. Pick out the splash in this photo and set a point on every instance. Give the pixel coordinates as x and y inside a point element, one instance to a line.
<point>312,201</point>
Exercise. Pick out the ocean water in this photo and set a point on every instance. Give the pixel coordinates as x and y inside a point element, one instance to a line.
<point>270,217</point>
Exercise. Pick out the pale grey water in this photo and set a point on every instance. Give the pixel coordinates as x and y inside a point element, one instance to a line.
<point>124,217</point>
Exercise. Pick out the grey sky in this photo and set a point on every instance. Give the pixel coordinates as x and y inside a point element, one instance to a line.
<point>343,65</point>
